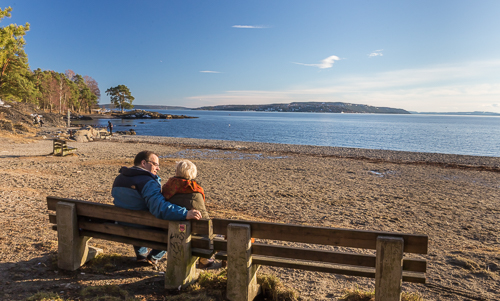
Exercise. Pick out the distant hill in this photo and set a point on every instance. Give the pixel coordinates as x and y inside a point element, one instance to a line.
<point>149,107</point>
<point>320,107</point>
<point>475,113</point>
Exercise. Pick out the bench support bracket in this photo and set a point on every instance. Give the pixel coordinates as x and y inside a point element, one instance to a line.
<point>181,266</point>
<point>241,273</point>
<point>389,268</point>
<point>73,250</point>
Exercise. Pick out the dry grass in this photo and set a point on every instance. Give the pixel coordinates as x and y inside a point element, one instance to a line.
<point>358,295</point>
<point>41,296</point>
<point>211,286</point>
<point>465,263</point>
<point>17,138</point>
<point>106,293</point>
<point>104,263</point>
<point>212,280</point>
<point>273,288</point>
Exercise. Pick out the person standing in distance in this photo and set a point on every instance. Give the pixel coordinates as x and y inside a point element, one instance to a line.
<point>139,188</point>
<point>110,127</point>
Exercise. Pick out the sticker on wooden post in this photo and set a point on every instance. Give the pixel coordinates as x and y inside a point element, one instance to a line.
<point>182,228</point>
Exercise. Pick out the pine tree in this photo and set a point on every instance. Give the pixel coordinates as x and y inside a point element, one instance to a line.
<point>15,75</point>
<point>121,97</point>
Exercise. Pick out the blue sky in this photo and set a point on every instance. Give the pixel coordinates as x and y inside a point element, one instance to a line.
<point>425,56</point>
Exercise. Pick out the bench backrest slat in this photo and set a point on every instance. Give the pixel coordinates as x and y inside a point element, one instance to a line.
<point>125,240</point>
<point>366,260</point>
<point>111,212</point>
<point>160,236</point>
<point>413,243</point>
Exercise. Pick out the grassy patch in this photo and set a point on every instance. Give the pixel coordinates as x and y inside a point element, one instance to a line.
<point>41,296</point>
<point>106,293</point>
<point>195,296</point>
<point>91,293</point>
<point>359,295</point>
<point>213,280</point>
<point>274,289</point>
<point>212,286</point>
<point>104,263</point>
<point>464,263</point>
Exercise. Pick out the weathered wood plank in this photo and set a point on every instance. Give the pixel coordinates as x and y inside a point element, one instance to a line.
<point>110,212</point>
<point>415,265</point>
<point>220,245</point>
<point>154,235</point>
<point>202,243</point>
<point>52,219</point>
<point>413,243</point>
<point>325,268</point>
<point>125,240</point>
<point>202,253</point>
<point>314,255</point>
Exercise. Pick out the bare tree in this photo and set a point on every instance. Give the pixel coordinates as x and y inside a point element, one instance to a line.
<point>70,74</point>
<point>93,86</point>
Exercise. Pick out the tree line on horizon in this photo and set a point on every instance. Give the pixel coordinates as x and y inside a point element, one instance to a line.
<point>49,90</point>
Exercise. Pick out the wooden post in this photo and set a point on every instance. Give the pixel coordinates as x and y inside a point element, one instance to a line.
<point>73,250</point>
<point>241,273</point>
<point>389,268</point>
<point>181,266</point>
<point>69,117</point>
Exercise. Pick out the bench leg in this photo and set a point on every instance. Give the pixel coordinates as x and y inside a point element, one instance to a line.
<point>181,266</point>
<point>73,250</point>
<point>241,273</point>
<point>389,268</point>
<point>57,150</point>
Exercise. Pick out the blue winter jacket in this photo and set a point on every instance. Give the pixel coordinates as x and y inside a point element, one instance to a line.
<point>138,189</point>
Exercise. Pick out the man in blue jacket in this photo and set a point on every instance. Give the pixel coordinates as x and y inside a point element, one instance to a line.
<point>139,188</point>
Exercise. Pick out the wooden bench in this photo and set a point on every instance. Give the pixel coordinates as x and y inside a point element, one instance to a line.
<point>388,266</point>
<point>61,148</point>
<point>77,221</point>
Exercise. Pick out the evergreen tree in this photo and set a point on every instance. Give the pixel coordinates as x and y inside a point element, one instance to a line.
<point>121,97</point>
<point>15,80</point>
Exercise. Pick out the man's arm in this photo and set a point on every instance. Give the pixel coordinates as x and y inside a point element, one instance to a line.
<point>161,208</point>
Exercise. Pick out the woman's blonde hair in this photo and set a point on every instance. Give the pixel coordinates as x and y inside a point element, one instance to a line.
<point>186,169</point>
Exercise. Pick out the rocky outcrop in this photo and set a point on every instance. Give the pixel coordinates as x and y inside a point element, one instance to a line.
<point>141,114</point>
<point>89,133</point>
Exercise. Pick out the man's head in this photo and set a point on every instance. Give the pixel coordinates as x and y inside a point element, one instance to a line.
<point>186,169</point>
<point>148,161</point>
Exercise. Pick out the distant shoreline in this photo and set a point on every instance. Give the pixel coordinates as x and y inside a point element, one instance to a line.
<point>374,155</point>
<point>176,108</point>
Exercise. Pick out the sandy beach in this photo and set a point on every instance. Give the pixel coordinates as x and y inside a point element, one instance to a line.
<point>453,199</point>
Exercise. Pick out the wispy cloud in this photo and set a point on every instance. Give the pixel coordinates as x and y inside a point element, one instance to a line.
<point>471,86</point>
<point>208,71</point>
<point>376,53</point>
<point>249,26</point>
<point>325,64</point>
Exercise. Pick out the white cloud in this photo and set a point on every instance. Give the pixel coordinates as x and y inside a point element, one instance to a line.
<point>462,87</point>
<point>208,71</point>
<point>376,53</point>
<point>325,64</point>
<point>249,26</point>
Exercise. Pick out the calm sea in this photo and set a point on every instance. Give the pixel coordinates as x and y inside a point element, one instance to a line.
<point>465,135</point>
